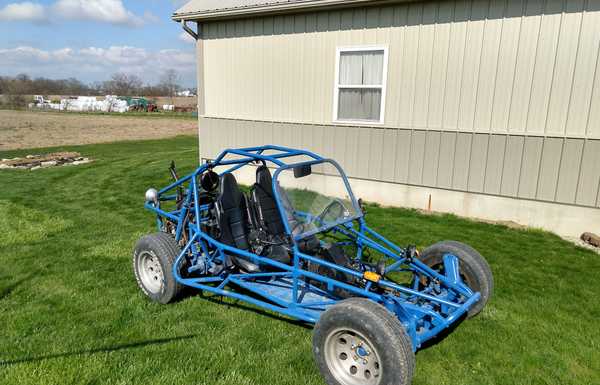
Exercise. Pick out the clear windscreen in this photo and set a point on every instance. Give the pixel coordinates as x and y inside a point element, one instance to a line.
<point>315,198</point>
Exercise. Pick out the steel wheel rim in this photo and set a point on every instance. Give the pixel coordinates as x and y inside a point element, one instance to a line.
<point>151,273</point>
<point>352,358</point>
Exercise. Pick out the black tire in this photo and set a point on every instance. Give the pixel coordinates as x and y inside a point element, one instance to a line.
<point>474,269</point>
<point>392,349</point>
<point>162,250</point>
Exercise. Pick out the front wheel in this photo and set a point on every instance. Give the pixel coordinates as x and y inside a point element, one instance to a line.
<point>359,342</point>
<point>153,259</point>
<point>475,272</point>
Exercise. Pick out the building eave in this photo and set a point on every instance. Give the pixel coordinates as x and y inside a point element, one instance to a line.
<point>268,9</point>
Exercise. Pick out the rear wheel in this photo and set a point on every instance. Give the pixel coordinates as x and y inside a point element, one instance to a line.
<point>153,259</point>
<point>475,272</point>
<point>359,342</point>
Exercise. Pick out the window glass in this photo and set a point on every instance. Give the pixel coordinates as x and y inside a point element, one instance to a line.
<point>359,104</point>
<point>361,68</point>
<point>360,88</point>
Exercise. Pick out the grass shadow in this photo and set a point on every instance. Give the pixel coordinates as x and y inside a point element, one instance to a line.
<point>440,337</point>
<point>10,288</point>
<point>105,349</point>
<point>237,304</point>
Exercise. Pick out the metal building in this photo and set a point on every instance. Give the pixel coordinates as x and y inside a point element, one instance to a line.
<point>487,109</point>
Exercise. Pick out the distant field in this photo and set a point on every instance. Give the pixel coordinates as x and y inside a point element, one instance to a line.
<point>28,129</point>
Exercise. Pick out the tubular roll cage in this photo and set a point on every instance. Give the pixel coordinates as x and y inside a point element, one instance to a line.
<point>424,313</point>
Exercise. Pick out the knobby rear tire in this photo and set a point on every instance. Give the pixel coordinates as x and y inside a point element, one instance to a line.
<point>474,269</point>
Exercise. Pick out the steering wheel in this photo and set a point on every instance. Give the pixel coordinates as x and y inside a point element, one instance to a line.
<point>336,204</point>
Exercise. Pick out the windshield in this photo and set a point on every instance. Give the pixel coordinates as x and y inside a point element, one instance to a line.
<point>315,198</point>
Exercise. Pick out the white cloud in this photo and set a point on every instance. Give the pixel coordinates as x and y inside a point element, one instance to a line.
<point>96,63</point>
<point>186,38</point>
<point>23,54</point>
<point>117,55</point>
<point>25,11</point>
<point>106,11</point>
<point>102,11</point>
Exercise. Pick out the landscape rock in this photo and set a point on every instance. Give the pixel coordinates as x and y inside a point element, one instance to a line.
<point>79,162</point>
<point>591,239</point>
<point>35,162</point>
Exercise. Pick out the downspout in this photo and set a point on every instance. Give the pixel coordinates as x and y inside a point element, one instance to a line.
<point>190,31</point>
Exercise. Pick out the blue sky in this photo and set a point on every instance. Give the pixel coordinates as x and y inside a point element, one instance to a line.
<point>91,39</point>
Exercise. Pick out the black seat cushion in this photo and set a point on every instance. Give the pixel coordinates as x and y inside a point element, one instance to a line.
<point>232,217</point>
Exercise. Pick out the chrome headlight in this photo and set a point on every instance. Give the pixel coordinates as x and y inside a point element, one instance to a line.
<point>152,196</point>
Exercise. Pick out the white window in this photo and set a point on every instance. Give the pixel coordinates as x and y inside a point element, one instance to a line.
<point>360,84</point>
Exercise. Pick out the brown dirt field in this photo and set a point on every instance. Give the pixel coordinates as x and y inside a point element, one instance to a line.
<point>25,129</point>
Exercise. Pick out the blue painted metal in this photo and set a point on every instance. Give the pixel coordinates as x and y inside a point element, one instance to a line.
<point>285,289</point>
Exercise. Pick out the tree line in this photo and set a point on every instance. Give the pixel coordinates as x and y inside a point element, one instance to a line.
<point>121,84</point>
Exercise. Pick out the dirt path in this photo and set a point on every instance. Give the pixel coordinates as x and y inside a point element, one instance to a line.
<point>24,129</point>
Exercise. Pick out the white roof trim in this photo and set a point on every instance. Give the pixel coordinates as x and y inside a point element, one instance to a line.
<point>194,12</point>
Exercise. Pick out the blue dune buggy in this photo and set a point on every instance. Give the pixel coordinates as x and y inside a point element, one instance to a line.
<point>297,243</point>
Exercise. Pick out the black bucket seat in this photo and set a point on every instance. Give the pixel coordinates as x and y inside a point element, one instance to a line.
<point>268,215</point>
<point>232,208</point>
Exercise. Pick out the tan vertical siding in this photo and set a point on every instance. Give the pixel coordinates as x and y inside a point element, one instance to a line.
<point>530,167</point>
<point>512,66</point>
<point>495,164</point>
<point>417,157</point>
<point>431,158</point>
<point>493,97</point>
<point>589,179</point>
<point>585,72</point>
<point>520,93</point>
<point>388,156</point>
<point>544,68</point>
<point>447,152</point>
<point>563,170</point>
<point>478,162</point>
<point>566,56</point>
<point>462,158</point>
<point>552,152</point>
<point>403,144</point>
<point>570,165</point>
<point>512,166</point>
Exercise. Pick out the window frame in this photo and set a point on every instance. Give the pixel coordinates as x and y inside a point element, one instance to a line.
<point>337,87</point>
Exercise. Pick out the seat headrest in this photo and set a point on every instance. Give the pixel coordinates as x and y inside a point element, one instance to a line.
<point>264,179</point>
<point>229,191</point>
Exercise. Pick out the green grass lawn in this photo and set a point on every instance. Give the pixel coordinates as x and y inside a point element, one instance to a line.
<point>70,311</point>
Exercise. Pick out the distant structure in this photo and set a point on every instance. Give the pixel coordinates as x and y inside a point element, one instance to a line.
<point>486,109</point>
<point>110,103</point>
<point>186,93</point>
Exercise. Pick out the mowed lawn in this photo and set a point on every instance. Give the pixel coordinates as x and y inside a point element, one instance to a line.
<point>70,311</point>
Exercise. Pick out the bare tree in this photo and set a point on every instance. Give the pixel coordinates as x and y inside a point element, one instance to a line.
<point>169,81</point>
<point>123,84</point>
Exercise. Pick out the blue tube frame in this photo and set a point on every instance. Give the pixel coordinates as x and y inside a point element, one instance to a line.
<point>423,312</point>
